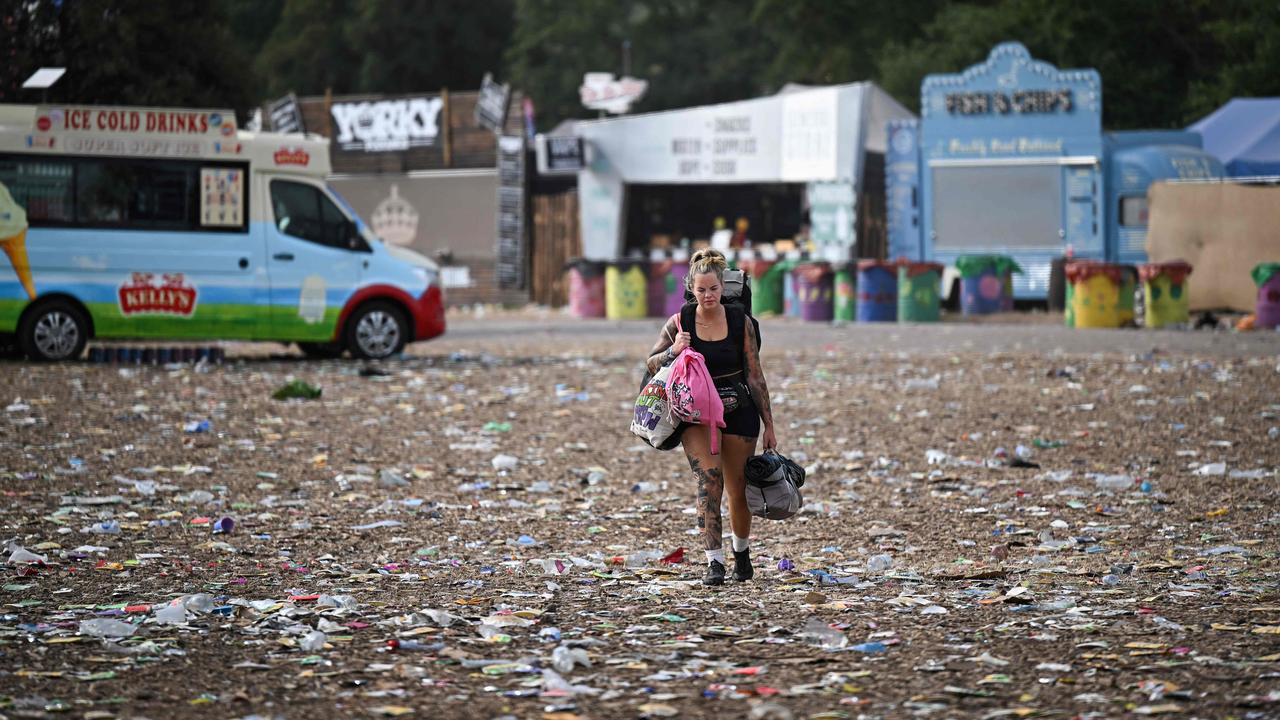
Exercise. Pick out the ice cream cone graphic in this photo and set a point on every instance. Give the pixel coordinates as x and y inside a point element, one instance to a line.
<point>16,248</point>
<point>13,239</point>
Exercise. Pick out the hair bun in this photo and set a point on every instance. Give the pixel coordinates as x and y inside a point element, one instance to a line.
<point>708,260</point>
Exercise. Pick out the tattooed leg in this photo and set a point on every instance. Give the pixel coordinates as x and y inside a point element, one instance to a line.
<point>710,477</point>
<point>710,490</point>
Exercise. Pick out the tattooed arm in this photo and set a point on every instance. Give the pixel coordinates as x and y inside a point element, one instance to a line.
<point>670,343</point>
<point>755,381</point>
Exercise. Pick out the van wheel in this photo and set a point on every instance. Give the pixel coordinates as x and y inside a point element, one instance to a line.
<point>376,331</point>
<point>55,330</point>
<point>322,351</point>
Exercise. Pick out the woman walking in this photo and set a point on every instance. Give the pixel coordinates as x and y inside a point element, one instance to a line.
<point>726,338</point>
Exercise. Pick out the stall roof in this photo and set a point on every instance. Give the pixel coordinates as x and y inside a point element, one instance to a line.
<point>1245,135</point>
<point>803,134</point>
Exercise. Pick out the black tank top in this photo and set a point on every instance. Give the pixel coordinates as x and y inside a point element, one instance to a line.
<point>724,357</point>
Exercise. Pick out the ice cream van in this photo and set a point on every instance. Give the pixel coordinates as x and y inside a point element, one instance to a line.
<point>130,223</point>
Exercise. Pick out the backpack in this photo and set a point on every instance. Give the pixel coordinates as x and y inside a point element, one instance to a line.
<point>737,291</point>
<point>773,486</point>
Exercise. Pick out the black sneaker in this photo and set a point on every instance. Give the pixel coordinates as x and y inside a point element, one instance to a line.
<point>715,573</point>
<point>742,570</point>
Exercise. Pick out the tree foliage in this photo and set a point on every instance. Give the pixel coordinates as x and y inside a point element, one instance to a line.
<point>126,52</point>
<point>1163,64</point>
<point>692,52</point>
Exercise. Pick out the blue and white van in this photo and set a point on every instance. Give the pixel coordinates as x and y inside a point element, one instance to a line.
<point>128,223</point>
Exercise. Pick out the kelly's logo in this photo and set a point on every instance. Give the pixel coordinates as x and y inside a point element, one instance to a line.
<point>142,295</point>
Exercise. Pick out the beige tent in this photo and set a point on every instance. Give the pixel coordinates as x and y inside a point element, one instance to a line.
<point>1223,229</point>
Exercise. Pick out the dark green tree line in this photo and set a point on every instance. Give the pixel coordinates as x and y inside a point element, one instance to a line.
<point>1163,64</point>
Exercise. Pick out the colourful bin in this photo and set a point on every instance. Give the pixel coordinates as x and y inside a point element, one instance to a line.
<point>815,288</point>
<point>1164,293</point>
<point>666,287</point>
<point>1095,294</point>
<point>756,269</point>
<point>986,283</point>
<point>766,290</point>
<point>586,288</point>
<point>1128,295</point>
<point>1267,312</point>
<point>626,290</point>
<point>877,291</point>
<point>918,298</point>
<point>659,265</point>
<point>846,289</point>
<point>790,303</point>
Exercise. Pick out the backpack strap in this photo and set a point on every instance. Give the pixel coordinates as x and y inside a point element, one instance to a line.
<point>687,318</point>
<point>736,318</point>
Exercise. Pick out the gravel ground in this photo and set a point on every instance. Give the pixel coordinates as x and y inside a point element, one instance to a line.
<point>1133,573</point>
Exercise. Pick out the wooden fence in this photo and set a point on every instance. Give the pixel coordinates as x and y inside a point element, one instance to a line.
<point>556,238</point>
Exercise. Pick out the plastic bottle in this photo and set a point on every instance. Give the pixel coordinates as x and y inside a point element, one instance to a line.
<point>171,614</point>
<point>106,627</point>
<point>106,527</point>
<point>19,554</point>
<point>313,641</point>
<point>823,635</point>
<point>564,658</point>
<point>199,603</point>
<point>1113,482</point>
<point>505,462</point>
<point>879,563</point>
<point>770,711</point>
<point>397,644</point>
<point>644,487</point>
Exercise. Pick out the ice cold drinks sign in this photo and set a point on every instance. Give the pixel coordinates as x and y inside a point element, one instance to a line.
<point>135,121</point>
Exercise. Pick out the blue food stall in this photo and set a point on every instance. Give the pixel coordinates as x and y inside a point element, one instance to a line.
<point>1011,159</point>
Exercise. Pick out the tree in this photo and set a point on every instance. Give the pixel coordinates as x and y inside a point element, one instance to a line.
<point>1162,64</point>
<point>307,50</point>
<point>382,46</point>
<point>126,52</point>
<point>692,52</point>
<point>423,45</point>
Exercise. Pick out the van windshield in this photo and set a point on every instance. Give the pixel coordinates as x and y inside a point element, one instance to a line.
<point>364,230</point>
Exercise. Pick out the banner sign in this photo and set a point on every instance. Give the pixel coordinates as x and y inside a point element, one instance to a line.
<point>286,116</point>
<point>491,106</point>
<point>387,125</point>
<point>601,91</point>
<point>510,264</point>
<point>560,155</point>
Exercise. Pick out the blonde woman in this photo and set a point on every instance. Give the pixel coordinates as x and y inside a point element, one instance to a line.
<point>726,338</point>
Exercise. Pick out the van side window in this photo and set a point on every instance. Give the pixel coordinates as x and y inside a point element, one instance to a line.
<point>304,212</point>
<point>152,196</point>
<point>44,188</point>
<point>119,193</point>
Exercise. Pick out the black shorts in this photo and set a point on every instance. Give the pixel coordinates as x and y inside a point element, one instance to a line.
<point>743,422</point>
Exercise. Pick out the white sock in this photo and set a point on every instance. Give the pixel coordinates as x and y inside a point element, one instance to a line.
<point>740,544</point>
<point>717,555</point>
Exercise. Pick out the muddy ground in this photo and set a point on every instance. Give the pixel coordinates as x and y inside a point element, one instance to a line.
<point>1133,573</point>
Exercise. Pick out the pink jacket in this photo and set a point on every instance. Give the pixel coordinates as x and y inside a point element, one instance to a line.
<point>693,395</point>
